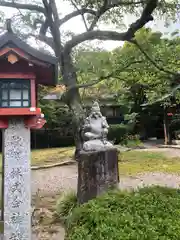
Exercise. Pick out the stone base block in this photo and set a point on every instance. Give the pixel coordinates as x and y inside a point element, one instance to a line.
<point>97,172</point>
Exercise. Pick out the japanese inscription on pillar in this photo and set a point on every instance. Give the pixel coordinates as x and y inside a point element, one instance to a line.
<point>17,192</point>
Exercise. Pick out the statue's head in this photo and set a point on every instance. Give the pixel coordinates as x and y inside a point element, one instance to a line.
<point>95,111</point>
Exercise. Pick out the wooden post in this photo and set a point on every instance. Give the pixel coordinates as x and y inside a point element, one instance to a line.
<point>167,136</point>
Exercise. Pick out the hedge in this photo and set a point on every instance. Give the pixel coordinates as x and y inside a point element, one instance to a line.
<point>117,133</point>
<point>148,214</point>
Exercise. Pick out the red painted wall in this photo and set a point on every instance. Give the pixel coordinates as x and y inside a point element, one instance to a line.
<point>43,74</point>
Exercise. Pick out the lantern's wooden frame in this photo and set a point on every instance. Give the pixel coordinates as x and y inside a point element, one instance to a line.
<point>21,111</point>
<point>32,115</point>
<point>20,61</point>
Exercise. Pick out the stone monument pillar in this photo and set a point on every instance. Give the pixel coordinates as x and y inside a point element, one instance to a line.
<point>17,181</point>
<point>22,70</point>
<point>98,161</point>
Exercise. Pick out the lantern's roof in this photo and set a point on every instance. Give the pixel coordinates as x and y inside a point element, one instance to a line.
<point>38,58</point>
<point>10,39</point>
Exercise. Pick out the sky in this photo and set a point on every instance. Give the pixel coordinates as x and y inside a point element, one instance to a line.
<point>76,25</point>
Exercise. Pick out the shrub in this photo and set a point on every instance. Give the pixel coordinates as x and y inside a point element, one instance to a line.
<point>148,214</point>
<point>120,133</point>
<point>132,141</point>
<point>177,134</point>
<point>65,205</point>
<point>117,133</point>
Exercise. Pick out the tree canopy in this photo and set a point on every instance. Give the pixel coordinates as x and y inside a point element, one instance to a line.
<point>126,74</point>
<point>128,67</point>
<point>44,20</point>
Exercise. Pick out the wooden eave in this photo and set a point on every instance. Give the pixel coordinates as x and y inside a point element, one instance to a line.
<point>10,42</point>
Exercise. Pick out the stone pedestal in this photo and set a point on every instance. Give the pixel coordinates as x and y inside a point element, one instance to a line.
<point>97,172</point>
<point>17,181</point>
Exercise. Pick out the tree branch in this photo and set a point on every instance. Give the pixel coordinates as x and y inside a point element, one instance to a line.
<point>82,14</point>
<point>101,78</point>
<point>105,7</point>
<point>50,13</point>
<point>44,27</point>
<point>31,7</point>
<point>91,35</point>
<point>75,14</point>
<point>160,68</point>
<point>99,13</point>
<point>146,16</point>
<point>48,40</point>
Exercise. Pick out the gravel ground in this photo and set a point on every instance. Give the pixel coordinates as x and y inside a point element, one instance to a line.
<point>149,179</point>
<point>52,181</point>
<point>59,179</point>
<point>56,180</point>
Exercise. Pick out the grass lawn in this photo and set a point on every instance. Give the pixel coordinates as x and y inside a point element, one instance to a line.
<point>51,155</point>
<point>134,162</point>
<point>130,163</point>
<point>45,156</point>
<point>48,156</point>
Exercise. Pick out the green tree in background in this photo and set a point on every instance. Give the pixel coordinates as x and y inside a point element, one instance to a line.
<point>127,74</point>
<point>155,73</point>
<point>136,75</point>
<point>45,19</point>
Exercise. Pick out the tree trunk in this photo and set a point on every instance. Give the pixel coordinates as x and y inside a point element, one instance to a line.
<point>78,120</point>
<point>69,76</point>
<point>73,100</point>
<point>167,136</point>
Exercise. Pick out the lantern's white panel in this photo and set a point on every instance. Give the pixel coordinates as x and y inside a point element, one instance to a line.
<point>4,94</point>
<point>17,182</point>
<point>15,103</point>
<point>25,103</point>
<point>15,94</point>
<point>5,104</point>
<point>25,94</point>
